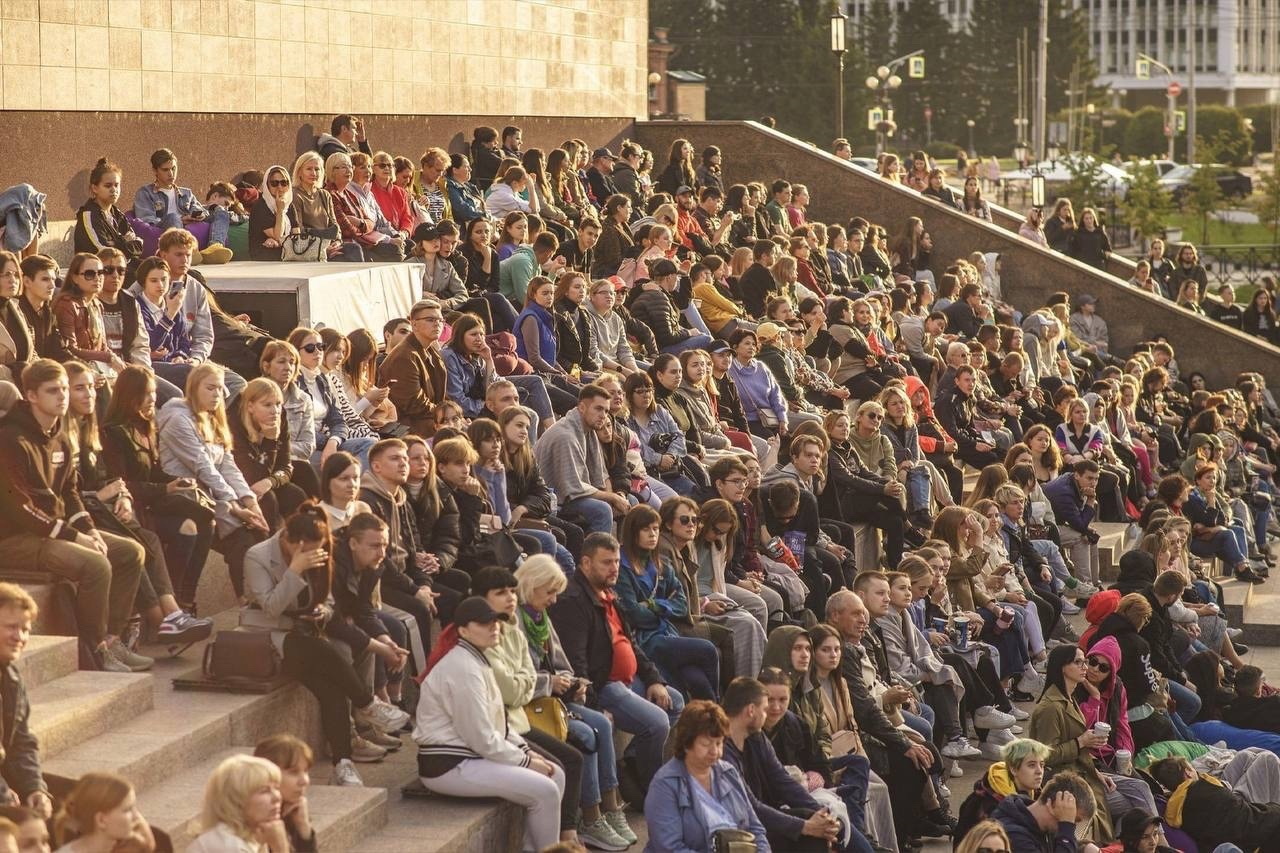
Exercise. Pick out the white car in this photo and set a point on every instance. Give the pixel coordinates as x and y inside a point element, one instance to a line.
<point>1114,180</point>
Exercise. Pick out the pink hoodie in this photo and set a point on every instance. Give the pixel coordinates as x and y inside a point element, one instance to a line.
<point>1095,710</point>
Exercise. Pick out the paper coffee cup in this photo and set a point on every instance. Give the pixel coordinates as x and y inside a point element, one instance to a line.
<point>1124,762</point>
<point>1101,728</point>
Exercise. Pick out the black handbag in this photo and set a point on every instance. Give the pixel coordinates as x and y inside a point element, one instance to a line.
<point>194,503</point>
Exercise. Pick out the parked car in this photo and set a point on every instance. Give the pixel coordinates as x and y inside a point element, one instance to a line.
<point>1232,182</point>
<point>1162,167</point>
<point>868,163</point>
<point>1112,180</point>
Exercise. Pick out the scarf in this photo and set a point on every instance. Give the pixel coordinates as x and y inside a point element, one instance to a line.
<point>277,210</point>
<point>537,627</point>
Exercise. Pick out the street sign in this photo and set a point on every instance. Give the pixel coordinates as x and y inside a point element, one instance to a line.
<point>1174,89</point>
<point>915,66</point>
<point>875,115</point>
<point>1181,121</point>
<point>1142,69</point>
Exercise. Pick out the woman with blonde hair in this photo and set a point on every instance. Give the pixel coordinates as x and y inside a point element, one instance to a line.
<point>195,442</point>
<point>261,449</point>
<point>313,211</point>
<point>986,837</point>
<point>241,812</point>
<point>101,813</point>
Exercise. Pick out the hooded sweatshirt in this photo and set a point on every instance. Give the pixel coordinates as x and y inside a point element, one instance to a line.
<point>1213,814</point>
<point>393,508</point>
<point>1137,676</point>
<point>805,700</point>
<point>989,791</point>
<point>1100,606</point>
<point>932,433</point>
<point>1025,834</point>
<point>1110,706</point>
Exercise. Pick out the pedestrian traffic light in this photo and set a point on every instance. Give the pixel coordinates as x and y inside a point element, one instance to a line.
<point>915,67</point>
<point>875,115</point>
<point>1142,69</point>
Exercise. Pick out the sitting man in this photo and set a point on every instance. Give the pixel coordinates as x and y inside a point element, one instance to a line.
<point>1089,327</point>
<point>656,308</point>
<point>1074,499</point>
<point>1048,823</point>
<point>20,778</point>
<point>957,410</point>
<point>1210,812</point>
<point>346,136</point>
<point>1251,709</point>
<point>44,525</point>
<point>599,647</point>
<point>415,369</point>
<point>572,461</point>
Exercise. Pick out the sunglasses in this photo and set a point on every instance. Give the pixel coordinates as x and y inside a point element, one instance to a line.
<point>91,275</point>
<point>1100,665</point>
<point>311,349</point>
<point>991,850</point>
<point>687,519</point>
<point>278,183</point>
<point>873,416</point>
<point>115,270</point>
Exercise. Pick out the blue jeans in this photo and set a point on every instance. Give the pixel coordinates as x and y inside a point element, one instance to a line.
<point>694,316</point>
<point>690,663</point>
<point>1187,707</point>
<point>219,224</point>
<point>597,515</point>
<point>533,393</point>
<point>919,488</point>
<point>678,483</point>
<point>646,722</point>
<point>697,341</point>
<point>1227,544</point>
<point>357,447</point>
<point>550,545</point>
<point>592,734</point>
<point>852,791</point>
<point>922,722</point>
<point>1058,566</point>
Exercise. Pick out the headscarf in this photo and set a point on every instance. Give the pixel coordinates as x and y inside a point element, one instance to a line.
<point>266,191</point>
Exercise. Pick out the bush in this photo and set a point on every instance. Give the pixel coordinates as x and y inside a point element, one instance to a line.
<point>1144,134</point>
<point>1225,127</point>
<point>941,151</point>
<point>1260,114</point>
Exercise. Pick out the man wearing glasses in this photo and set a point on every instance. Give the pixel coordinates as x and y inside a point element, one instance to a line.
<point>415,369</point>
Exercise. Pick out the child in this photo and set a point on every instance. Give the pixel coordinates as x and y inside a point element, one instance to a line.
<point>225,210</point>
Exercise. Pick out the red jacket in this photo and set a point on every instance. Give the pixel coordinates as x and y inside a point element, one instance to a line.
<point>394,203</point>
<point>932,433</point>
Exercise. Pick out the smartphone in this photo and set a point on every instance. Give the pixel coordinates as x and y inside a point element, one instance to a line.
<point>176,287</point>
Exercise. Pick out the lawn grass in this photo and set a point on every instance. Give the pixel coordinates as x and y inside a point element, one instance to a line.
<point>1221,233</point>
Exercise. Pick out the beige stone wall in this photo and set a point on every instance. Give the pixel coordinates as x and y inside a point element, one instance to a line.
<point>462,57</point>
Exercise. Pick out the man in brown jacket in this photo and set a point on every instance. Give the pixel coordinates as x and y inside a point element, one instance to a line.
<point>415,369</point>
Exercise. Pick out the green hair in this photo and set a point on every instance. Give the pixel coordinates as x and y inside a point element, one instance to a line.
<point>1017,751</point>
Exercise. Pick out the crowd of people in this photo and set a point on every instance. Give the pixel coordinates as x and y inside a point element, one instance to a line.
<point>651,455</point>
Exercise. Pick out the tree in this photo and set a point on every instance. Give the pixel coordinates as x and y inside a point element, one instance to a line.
<point>1228,133</point>
<point>1147,205</point>
<point>1144,136</point>
<point>920,27</point>
<point>1266,200</point>
<point>1089,184</point>
<point>1203,196</point>
<point>692,26</point>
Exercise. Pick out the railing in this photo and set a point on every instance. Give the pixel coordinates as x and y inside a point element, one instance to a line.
<point>1239,264</point>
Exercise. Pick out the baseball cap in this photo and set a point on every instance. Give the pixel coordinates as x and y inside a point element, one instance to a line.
<point>768,331</point>
<point>682,189</point>
<point>425,231</point>
<point>476,609</point>
<point>716,346</point>
<point>1086,299</point>
<point>664,267</point>
<point>602,152</point>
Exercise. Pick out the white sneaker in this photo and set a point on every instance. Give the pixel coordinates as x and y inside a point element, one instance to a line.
<point>959,747</point>
<point>956,770</point>
<point>344,774</point>
<point>1031,682</point>
<point>1019,714</point>
<point>1015,729</point>
<point>1232,633</point>
<point>1083,589</point>
<point>1000,737</point>
<point>381,715</point>
<point>1069,608</point>
<point>988,717</point>
<point>944,792</point>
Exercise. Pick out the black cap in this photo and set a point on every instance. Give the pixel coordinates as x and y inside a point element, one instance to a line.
<point>682,189</point>
<point>476,609</point>
<point>602,152</point>
<point>664,267</point>
<point>425,231</point>
<point>1086,299</point>
<point>716,345</point>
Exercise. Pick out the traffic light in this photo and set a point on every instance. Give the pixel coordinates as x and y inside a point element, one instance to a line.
<point>915,67</point>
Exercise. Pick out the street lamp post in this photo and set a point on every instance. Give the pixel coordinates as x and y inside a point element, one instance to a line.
<point>839,28</point>
<point>1172,90</point>
<point>969,123</point>
<point>882,83</point>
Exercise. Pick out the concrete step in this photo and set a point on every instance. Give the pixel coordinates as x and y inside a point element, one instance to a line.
<point>80,706</point>
<point>1111,545</point>
<point>47,658</point>
<point>445,825</point>
<point>341,816</point>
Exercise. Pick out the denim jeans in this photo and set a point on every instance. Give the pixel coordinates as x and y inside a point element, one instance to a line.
<point>533,393</point>
<point>694,316</point>
<point>592,733</point>
<point>1187,707</point>
<point>1049,550</point>
<point>919,488</point>
<point>1227,544</point>
<point>697,341</point>
<point>357,447</point>
<point>689,662</point>
<point>219,224</point>
<point>596,514</point>
<point>547,541</point>
<point>646,722</point>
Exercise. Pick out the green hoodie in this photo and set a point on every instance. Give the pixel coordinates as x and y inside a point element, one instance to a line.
<point>805,700</point>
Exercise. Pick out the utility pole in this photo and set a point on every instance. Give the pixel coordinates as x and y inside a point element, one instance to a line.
<point>1042,70</point>
<point>1191,81</point>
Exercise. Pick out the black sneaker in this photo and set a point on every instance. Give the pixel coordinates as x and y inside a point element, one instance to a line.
<point>1248,576</point>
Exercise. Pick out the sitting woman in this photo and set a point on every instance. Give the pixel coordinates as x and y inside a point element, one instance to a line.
<point>359,382</point>
<point>241,808</point>
<point>539,581</point>
<point>609,330</point>
<point>855,365</point>
<point>279,363</point>
<point>337,350</point>
<point>261,449</point>
<point>195,443</point>
<point>471,370</point>
<point>360,226</point>
<point>79,315</point>
<point>111,506</point>
<point>466,747</point>
<point>1078,439</point>
<point>1214,534</point>
<point>701,398</point>
<point>536,343</point>
<point>576,351</point>
<point>651,598</point>
<point>294,758</point>
<point>271,217</point>
<point>168,334</point>
<point>130,451</point>
<point>312,209</point>
<point>332,431</point>
<point>485,436</point>
<point>100,813</point>
<point>696,795</point>
<point>662,445</point>
<point>529,496</point>
<point>99,223</point>
<point>288,582</point>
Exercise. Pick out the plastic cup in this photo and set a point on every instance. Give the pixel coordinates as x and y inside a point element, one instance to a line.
<point>962,632</point>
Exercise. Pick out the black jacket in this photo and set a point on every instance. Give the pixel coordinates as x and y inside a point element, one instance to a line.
<point>1254,712</point>
<point>355,618</point>
<point>1025,834</point>
<point>45,337</point>
<point>755,286</point>
<point>961,319</point>
<point>574,341</point>
<point>40,492</point>
<point>627,182</point>
<point>1159,633</point>
<point>580,621</point>
<point>872,721</point>
<point>655,308</point>
<point>20,766</point>
<point>781,803</point>
<point>794,744</point>
<point>1136,674</point>
<point>1213,814</point>
<point>602,185</point>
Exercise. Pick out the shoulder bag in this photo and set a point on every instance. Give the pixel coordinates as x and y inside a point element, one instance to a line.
<point>549,716</point>
<point>767,418</point>
<point>304,247</point>
<point>242,656</point>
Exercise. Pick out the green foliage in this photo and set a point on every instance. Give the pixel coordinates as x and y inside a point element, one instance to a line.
<point>1203,196</point>
<point>1260,115</point>
<point>1146,206</point>
<point>1266,200</point>
<point>1088,185</point>
<point>1144,135</point>
<point>1224,127</point>
<point>920,27</point>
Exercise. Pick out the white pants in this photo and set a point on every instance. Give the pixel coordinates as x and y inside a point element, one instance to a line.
<point>759,605</point>
<point>540,795</point>
<point>1083,553</point>
<point>879,815</point>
